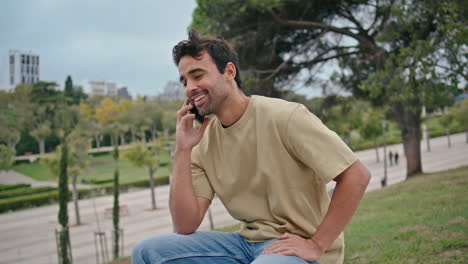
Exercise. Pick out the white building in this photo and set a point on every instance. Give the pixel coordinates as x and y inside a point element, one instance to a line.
<point>22,67</point>
<point>103,88</point>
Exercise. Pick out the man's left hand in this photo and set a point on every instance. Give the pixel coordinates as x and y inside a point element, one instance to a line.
<point>293,245</point>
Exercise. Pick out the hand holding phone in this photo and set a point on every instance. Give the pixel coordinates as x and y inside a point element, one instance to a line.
<point>198,117</point>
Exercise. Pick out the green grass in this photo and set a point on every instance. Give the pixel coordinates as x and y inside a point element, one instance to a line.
<point>421,220</point>
<point>100,167</point>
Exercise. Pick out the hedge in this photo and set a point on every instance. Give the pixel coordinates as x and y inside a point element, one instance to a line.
<point>5,187</point>
<point>97,181</point>
<point>25,191</point>
<point>35,200</point>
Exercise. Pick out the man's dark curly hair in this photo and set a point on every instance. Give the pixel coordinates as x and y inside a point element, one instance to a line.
<point>218,48</point>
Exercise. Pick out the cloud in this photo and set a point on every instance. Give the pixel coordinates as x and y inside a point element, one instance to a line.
<point>128,42</point>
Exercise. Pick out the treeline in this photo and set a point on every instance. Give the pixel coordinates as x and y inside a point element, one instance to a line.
<point>30,124</point>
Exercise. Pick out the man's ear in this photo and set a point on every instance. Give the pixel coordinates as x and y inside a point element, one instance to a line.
<point>230,71</point>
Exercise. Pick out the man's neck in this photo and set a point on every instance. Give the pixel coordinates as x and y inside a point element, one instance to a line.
<point>233,109</point>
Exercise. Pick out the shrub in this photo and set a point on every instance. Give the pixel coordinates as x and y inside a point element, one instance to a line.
<point>4,187</point>
<point>25,191</point>
<point>13,204</point>
<point>36,200</point>
<point>97,181</point>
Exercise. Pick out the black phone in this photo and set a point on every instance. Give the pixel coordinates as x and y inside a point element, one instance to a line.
<point>198,117</point>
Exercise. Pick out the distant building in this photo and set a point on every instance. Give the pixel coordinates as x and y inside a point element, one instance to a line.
<point>123,92</point>
<point>103,88</point>
<point>173,91</point>
<point>21,67</point>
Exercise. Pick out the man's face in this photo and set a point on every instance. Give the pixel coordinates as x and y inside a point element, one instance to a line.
<point>204,84</point>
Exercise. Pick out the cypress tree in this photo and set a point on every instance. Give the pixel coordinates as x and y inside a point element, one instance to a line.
<point>63,200</point>
<point>69,87</point>
<point>115,211</point>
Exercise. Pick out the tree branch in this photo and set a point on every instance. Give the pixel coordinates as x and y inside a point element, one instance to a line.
<point>346,14</point>
<point>284,63</point>
<point>364,40</point>
<point>317,59</point>
<point>311,25</point>
<point>385,16</point>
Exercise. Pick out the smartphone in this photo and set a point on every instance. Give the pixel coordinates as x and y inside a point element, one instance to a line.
<point>198,117</point>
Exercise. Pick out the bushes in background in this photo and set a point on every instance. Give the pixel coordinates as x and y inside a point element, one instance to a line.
<point>4,187</point>
<point>49,197</point>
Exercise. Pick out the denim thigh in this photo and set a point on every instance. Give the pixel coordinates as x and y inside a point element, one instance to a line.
<point>274,258</point>
<point>280,259</point>
<point>197,248</point>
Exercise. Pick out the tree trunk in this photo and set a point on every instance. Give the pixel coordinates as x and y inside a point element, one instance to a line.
<point>133,135</point>
<point>41,146</point>
<point>409,121</point>
<point>153,196</point>
<point>98,144</point>
<point>426,136</point>
<point>376,147</point>
<point>143,137</point>
<point>448,137</point>
<point>75,199</point>
<point>153,132</point>
<point>122,139</point>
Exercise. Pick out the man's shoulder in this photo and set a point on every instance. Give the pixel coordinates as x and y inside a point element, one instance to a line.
<point>277,107</point>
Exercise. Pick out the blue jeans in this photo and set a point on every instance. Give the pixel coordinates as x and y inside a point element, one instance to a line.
<point>206,248</point>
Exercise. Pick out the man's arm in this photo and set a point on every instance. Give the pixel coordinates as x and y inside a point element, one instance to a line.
<point>350,187</point>
<point>187,210</point>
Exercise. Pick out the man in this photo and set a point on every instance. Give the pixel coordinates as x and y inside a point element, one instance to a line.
<point>268,161</point>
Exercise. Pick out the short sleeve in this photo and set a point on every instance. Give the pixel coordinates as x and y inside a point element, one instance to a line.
<point>201,184</point>
<point>316,146</point>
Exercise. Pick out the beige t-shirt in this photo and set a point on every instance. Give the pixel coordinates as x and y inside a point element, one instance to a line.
<point>270,169</point>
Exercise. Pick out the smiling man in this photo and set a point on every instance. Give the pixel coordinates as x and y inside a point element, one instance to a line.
<point>268,160</point>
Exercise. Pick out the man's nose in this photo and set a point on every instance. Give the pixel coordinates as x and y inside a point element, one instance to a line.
<point>191,89</point>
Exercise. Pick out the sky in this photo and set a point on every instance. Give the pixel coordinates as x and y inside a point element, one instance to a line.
<point>127,42</point>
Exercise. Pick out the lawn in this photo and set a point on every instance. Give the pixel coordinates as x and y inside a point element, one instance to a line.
<point>100,167</point>
<point>421,220</point>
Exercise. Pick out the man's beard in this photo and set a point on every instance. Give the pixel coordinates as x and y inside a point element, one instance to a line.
<point>207,108</point>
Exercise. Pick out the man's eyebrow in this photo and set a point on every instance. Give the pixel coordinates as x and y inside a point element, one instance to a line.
<point>190,72</point>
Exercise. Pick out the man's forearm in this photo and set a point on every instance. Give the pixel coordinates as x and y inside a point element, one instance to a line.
<point>349,190</point>
<point>183,203</point>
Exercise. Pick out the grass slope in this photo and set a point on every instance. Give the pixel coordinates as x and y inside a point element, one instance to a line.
<point>422,220</point>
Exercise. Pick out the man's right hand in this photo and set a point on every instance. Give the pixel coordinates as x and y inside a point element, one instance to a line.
<point>186,135</point>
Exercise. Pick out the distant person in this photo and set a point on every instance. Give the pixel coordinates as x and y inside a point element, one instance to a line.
<point>268,161</point>
<point>396,158</point>
<point>390,157</point>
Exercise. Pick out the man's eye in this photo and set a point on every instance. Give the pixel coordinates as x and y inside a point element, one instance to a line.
<point>198,76</point>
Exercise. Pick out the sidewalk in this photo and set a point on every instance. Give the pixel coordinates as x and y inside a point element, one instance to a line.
<point>13,177</point>
<point>28,235</point>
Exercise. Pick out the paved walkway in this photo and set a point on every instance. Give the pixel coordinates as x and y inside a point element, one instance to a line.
<point>13,177</point>
<point>28,236</point>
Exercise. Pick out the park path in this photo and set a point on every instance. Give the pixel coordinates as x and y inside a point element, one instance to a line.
<point>13,177</point>
<point>27,236</point>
